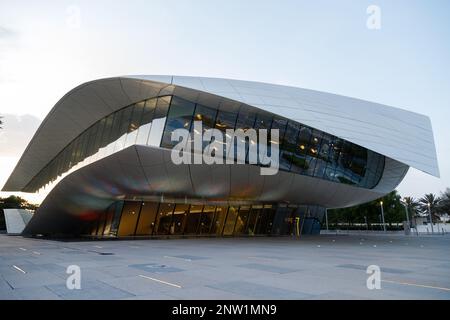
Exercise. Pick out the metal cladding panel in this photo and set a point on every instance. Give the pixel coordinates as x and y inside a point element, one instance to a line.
<point>400,135</point>
<point>138,172</point>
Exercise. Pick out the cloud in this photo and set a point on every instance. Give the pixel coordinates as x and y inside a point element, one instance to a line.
<point>8,44</point>
<point>6,33</point>
<point>16,133</point>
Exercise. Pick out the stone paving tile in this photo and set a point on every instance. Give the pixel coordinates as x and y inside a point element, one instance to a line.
<point>237,268</point>
<point>190,257</point>
<point>304,282</point>
<point>152,296</point>
<point>139,286</point>
<point>36,293</point>
<point>93,290</point>
<point>335,295</point>
<point>274,257</point>
<point>268,268</point>
<point>155,268</point>
<point>257,291</point>
<point>8,294</point>
<point>363,267</point>
<point>34,279</point>
<point>206,293</point>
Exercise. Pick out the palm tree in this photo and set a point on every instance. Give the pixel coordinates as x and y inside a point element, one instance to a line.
<point>412,206</point>
<point>430,203</point>
<point>445,201</point>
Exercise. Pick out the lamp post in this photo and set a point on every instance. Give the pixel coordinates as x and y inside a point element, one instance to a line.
<point>407,230</point>
<point>406,211</point>
<point>431,219</point>
<point>382,215</point>
<point>326,218</point>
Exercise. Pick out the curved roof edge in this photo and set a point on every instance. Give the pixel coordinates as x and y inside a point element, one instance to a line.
<point>402,135</point>
<point>398,134</point>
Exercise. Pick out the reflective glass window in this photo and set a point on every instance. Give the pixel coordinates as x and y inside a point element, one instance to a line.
<point>359,160</point>
<point>101,224</point>
<point>98,136</point>
<point>263,121</point>
<point>123,128</point>
<point>146,120</point>
<point>245,120</point>
<point>179,117</point>
<point>108,220</point>
<point>265,221</point>
<point>179,219</point>
<point>300,162</point>
<point>147,218</point>
<point>162,105</point>
<point>230,221</point>
<point>135,122</point>
<point>206,219</point>
<point>128,220</point>
<point>219,219</point>
<point>226,119</point>
<point>253,220</point>
<point>207,116</point>
<point>193,219</point>
<point>164,218</point>
<point>241,220</point>
<point>115,129</point>
<point>312,152</point>
<point>289,145</point>
<point>280,125</point>
<point>323,156</point>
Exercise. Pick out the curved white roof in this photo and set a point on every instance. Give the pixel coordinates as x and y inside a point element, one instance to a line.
<point>398,134</point>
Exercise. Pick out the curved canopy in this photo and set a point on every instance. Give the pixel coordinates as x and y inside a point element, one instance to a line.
<point>398,134</point>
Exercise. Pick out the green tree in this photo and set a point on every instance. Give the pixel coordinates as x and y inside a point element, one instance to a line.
<point>412,206</point>
<point>444,205</point>
<point>430,202</point>
<point>370,212</point>
<point>394,211</point>
<point>13,202</point>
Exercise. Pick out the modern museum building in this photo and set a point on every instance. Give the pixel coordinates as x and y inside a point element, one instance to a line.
<point>103,158</point>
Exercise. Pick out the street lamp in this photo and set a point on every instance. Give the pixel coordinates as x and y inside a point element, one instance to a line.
<point>382,215</point>
<point>407,215</point>
<point>431,219</point>
<point>406,211</point>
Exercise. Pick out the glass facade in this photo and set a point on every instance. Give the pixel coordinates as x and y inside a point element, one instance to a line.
<point>303,150</point>
<point>141,123</point>
<point>145,219</point>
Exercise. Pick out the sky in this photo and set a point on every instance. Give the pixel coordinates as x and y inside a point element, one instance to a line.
<point>49,47</point>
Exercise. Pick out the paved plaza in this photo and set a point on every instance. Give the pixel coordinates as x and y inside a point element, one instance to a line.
<point>319,267</point>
